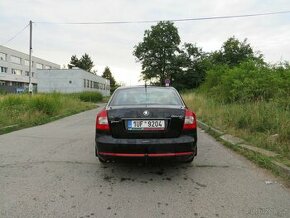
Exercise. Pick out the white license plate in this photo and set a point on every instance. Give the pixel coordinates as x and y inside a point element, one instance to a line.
<point>146,124</point>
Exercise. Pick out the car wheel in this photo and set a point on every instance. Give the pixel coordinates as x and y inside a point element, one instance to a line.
<point>102,160</point>
<point>195,151</point>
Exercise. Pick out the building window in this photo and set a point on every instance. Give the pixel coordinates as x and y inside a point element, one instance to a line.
<point>15,59</point>
<point>85,83</point>
<point>18,84</point>
<point>91,84</point>
<point>32,74</point>
<point>88,84</point>
<point>16,72</point>
<point>26,73</point>
<point>3,69</point>
<point>26,62</point>
<point>39,66</point>
<point>3,56</point>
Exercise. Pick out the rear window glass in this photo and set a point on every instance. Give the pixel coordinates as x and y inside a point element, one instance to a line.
<point>139,96</point>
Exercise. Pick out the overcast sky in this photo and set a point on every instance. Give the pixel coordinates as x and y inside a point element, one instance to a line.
<point>112,45</point>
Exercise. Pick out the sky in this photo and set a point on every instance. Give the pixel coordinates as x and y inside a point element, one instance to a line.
<point>112,45</point>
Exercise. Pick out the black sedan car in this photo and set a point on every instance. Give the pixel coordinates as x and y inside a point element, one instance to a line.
<point>146,121</point>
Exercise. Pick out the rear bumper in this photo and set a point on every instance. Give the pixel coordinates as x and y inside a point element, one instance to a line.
<point>184,145</point>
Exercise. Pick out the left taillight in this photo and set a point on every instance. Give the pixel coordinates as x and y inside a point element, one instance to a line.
<point>189,120</point>
<point>102,122</point>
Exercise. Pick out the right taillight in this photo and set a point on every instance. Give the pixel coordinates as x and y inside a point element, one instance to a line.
<point>102,122</point>
<point>189,120</point>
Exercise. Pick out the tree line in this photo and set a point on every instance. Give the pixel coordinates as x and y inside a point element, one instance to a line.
<point>163,57</point>
<point>233,73</point>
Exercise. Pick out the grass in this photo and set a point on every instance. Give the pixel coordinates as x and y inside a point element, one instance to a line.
<point>263,124</point>
<point>24,111</point>
<point>90,96</point>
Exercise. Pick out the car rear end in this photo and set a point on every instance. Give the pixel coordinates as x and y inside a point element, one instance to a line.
<point>146,122</point>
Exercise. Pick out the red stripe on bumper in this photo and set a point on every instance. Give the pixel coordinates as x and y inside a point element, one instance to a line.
<point>170,154</point>
<point>143,155</point>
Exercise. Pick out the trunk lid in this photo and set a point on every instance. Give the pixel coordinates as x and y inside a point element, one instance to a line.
<point>120,116</point>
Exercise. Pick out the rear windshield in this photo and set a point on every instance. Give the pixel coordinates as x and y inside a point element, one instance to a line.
<point>141,96</point>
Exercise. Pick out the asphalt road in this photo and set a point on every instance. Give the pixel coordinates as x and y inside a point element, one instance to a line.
<point>51,171</point>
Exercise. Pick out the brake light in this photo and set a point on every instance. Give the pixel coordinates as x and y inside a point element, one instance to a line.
<point>102,122</point>
<point>190,120</point>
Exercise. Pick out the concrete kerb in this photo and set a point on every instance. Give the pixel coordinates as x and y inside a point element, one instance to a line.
<point>283,168</point>
<point>259,150</point>
<point>241,143</point>
<point>203,125</point>
<point>207,127</point>
<point>231,139</point>
<point>8,127</point>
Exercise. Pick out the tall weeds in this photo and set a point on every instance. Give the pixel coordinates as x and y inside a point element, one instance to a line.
<point>25,110</point>
<point>263,123</point>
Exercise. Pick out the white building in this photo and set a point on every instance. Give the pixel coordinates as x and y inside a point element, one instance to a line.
<point>14,69</point>
<point>70,81</point>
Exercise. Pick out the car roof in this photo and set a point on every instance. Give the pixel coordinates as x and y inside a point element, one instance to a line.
<point>143,86</point>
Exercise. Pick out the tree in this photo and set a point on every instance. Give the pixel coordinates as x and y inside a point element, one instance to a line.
<point>192,66</point>
<point>234,52</point>
<point>85,62</point>
<point>158,52</point>
<point>107,74</point>
<point>74,61</point>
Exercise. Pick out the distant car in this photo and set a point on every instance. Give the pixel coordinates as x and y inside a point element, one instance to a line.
<point>146,121</point>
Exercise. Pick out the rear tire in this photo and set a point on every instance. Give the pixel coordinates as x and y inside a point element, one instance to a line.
<point>102,160</point>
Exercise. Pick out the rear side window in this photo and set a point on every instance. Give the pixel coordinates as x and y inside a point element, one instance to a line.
<point>141,96</point>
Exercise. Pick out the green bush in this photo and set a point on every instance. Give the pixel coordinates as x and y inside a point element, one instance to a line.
<point>248,82</point>
<point>91,97</point>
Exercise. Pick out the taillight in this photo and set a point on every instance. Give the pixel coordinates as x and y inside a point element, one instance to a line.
<point>102,122</point>
<point>190,120</point>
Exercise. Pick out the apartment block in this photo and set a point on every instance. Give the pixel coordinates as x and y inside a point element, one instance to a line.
<point>14,70</point>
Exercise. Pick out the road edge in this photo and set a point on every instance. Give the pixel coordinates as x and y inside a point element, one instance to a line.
<point>261,156</point>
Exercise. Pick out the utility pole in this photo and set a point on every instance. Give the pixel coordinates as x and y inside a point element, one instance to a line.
<point>30,87</point>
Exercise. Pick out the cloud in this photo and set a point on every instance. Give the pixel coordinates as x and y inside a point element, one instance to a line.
<point>112,45</point>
